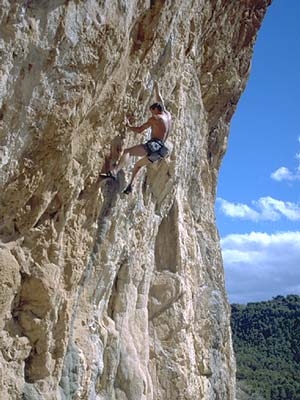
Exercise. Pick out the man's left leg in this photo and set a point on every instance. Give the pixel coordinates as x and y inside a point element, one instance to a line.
<point>141,163</point>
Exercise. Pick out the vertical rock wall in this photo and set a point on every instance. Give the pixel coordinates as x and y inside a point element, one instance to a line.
<point>105,296</point>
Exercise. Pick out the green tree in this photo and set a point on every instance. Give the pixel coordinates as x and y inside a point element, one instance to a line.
<point>266,339</point>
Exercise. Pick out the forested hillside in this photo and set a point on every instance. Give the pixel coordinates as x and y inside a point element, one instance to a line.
<point>266,337</point>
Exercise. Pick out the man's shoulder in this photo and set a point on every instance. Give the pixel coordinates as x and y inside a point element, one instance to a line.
<point>164,115</point>
<point>153,119</point>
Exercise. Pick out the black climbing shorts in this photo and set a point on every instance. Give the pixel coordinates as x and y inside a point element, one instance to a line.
<point>156,150</point>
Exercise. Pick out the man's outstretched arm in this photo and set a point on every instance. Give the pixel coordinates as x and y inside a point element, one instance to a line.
<point>138,129</point>
<point>158,94</point>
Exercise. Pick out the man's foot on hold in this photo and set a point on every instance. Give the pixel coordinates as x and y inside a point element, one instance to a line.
<point>128,189</point>
<point>108,174</point>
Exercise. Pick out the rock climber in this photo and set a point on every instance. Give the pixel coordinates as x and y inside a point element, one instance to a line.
<point>154,149</point>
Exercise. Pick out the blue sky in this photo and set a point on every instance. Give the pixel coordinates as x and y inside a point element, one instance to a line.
<point>258,204</point>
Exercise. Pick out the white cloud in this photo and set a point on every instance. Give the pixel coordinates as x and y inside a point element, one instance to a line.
<point>284,174</point>
<point>264,209</point>
<point>237,210</point>
<point>272,209</point>
<point>259,266</point>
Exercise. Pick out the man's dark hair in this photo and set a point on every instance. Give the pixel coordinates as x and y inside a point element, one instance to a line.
<point>159,106</point>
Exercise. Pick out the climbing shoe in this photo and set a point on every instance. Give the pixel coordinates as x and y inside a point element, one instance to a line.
<point>108,174</point>
<point>128,189</point>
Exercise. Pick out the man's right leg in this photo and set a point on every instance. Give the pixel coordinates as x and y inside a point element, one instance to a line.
<point>138,150</point>
<point>122,162</point>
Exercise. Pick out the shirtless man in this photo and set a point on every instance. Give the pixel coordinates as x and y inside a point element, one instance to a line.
<point>154,149</point>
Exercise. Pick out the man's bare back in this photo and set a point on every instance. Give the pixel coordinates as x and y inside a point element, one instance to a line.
<point>160,125</point>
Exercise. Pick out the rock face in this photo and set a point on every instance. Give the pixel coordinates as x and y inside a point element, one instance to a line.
<point>105,296</point>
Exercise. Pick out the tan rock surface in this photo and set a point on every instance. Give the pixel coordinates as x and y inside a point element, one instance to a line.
<point>105,296</point>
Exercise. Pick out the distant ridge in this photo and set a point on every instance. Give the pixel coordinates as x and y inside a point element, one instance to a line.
<point>266,339</point>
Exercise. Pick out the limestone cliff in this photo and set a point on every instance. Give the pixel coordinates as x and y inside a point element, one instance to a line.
<point>105,296</point>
